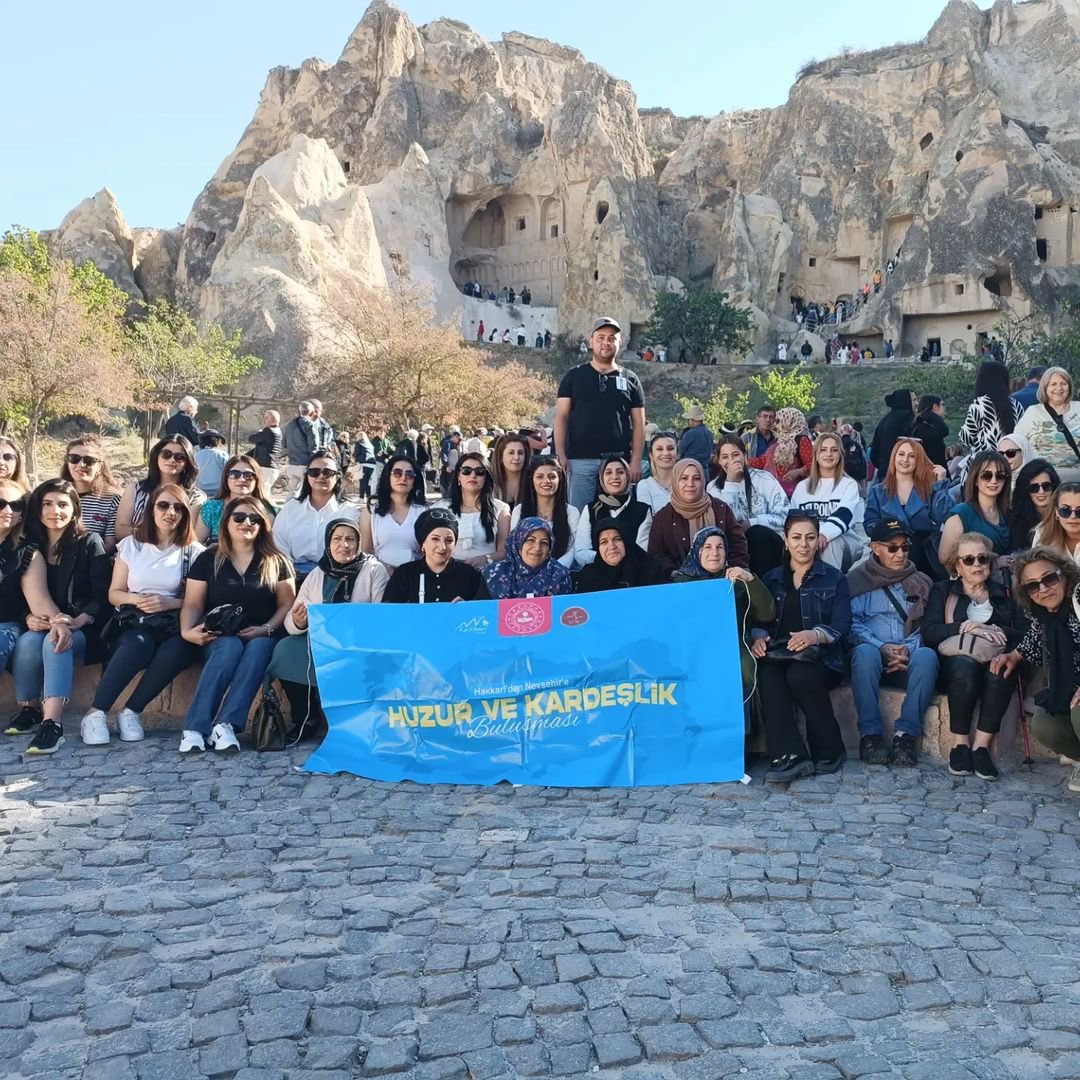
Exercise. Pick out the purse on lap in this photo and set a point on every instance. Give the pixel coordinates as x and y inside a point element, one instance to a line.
<point>978,648</point>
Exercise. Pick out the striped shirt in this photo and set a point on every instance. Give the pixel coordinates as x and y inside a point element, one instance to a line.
<point>98,514</point>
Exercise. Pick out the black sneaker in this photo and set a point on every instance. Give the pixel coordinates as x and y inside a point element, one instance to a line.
<point>24,721</point>
<point>787,768</point>
<point>823,768</point>
<point>49,738</point>
<point>873,751</point>
<point>984,766</point>
<point>904,754</point>
<point>960,763</point>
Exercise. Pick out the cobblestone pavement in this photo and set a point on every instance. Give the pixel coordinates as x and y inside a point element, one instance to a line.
<point>172,918</point>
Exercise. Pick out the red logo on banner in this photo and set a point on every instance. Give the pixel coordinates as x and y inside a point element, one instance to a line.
<point>519,618</point>
<point>575,616</point>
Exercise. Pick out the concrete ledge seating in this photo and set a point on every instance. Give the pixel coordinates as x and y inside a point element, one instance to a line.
<point>166,713</point>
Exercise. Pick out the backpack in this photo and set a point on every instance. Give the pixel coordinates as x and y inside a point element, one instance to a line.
<point>854,459</point>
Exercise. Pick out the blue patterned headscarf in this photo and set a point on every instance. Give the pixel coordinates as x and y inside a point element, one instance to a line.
<point>510,578</point>
<point>691,566</point>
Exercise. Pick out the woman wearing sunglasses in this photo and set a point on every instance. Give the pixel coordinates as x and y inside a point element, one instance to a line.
<point>99,494</point>
<point>147,585</point>
<point>1046,588</point>
<point>300,527</point>
<point>15,554</point>
<point>66,586</point>
<point>242,475</point>
<point>1015,449</point>
<point>483,521</point>
<point>976,604</point>
<point>388,528</point>
<point>1060,526</point>
<point>246,569</point>
<point>1033,493</point>
<point>985,507</point>
<point>172,461</point>
<point>12,466</point>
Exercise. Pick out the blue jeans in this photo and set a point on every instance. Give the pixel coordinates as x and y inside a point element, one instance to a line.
<point>9,634</point>
<point>583,476</point>
<point>42,672</point>
<point>867,666</point>
<point>230,679</point>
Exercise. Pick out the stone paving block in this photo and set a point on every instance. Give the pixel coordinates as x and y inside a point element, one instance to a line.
<point>393,1056</point>
<point>671,1042</point>
<point>557,998</point>
<point>617,1049</point>
<point>444,1038</point>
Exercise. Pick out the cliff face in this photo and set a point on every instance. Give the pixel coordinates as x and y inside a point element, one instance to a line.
<point>433,152</point>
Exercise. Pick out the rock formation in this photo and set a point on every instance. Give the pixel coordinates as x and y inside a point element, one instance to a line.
<point>434,153</point>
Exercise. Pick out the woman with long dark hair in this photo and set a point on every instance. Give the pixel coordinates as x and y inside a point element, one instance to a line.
<point>172,461</point>
<point>300,527</point>
<point>387,528</point>
<point>15,555</point>
<point>993,413</point>
<point>99,493</point>
<point>245,570</point>
<point>510,459</point>
<point>985,508</point>
<point>66,586</point>
<point>545,496</point>
<point>1033,493</point>
<point>241,475</point>
<point>483,520</point>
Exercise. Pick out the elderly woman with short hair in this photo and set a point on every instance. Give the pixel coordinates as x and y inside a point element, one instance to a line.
<point>1052,427</point>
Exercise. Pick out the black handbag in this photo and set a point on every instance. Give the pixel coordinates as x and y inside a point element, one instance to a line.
<point>268,729</point>
<point>778,652</point>
<point>225,620</point>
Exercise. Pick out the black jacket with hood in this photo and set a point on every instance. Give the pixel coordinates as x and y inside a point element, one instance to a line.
<point>896,422</point>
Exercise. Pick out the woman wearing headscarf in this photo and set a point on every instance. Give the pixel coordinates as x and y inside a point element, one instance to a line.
<point>1016,450</point>
<point>436,577</point>
<point>789,458</point>
<point>619,562</point>
<point>343,575</point>
<point>754,604</point>
<point>692,509</point>
<point>529,568</point>
<point>616,498</point>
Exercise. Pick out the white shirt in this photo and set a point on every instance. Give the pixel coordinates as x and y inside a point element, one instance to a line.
<point>472,540</point>
<point>394,544</point>
<point>300,529</point>
<point>649,491</point>
<point>573,518</point>
<point>980,613</point>
<point>154,571</point>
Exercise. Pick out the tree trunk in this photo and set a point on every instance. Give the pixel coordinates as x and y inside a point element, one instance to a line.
<point>30,446</point>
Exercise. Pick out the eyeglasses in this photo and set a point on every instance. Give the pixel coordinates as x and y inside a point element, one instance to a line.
<point>903,545</point>
<point>1045,486</point>
<point>1065,511</point>
<point>174,455</point>
<point>989,476</point>
<point>17,505</point>
<point>404,474</point>
<point>319,474</point>
<point>82,459</point>
<point>470,470</point>
<point>1010,454</point>
<point>9,457</point>
<point>1047,581</point>
<point>974,560</point>
<point>238,517</point>
<point>241,474</point>
<point>165,506</point>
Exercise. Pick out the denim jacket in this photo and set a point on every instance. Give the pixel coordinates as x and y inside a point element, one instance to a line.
<point>825,605</point>
<point>915,513</point>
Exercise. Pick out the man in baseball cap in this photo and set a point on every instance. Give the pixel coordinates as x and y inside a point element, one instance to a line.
<point>600,410</point>
<point>888,600</point>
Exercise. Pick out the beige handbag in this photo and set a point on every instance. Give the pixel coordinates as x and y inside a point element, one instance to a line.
<point>978,648</point>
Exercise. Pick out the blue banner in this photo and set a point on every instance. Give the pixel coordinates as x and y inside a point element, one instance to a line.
<point>629,688</point>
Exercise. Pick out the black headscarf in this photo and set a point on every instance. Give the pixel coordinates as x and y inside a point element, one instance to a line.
<point>340,578</point>
<point>636,569</point>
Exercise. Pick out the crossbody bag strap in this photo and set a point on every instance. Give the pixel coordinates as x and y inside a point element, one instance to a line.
<point>1064,429</point>
<point>896,604</point>
<point>950,608</point>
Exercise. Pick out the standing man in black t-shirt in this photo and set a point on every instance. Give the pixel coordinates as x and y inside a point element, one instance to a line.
<point>600,410</point>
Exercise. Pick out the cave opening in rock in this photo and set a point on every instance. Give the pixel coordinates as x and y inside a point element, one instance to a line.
<point>926,140</point>
<point>999,283</point>
<point>601,212</point>
<point>959,155</point>
<point>1041,250</point>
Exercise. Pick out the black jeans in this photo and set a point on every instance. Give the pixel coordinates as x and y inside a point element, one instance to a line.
<point>138,650</point>
<point>787,683</point>
<point>967,682</point>
<point>766,549</point>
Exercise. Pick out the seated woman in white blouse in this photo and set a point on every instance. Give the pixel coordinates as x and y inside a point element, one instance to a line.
<point>300,527</point>
<point>615,498</point>
<point>483,520</point>
<point>387,526</point>
<point>545,496</point>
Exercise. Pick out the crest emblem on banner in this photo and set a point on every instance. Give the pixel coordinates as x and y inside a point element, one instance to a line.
<point>525,618</point>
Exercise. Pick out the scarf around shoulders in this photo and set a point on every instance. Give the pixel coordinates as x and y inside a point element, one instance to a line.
<point>870,575</point>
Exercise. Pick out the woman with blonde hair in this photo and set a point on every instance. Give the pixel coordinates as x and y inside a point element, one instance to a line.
<point>789,458</point>
<point>12,466</point>
<point>833,498</point>
<point>99,493</point>
<point>1060,525</point>
<point>1052,426</point>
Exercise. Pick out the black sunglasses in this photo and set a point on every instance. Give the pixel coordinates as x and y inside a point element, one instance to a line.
<point>242,518</point>
<point>1047,581</point>
<point>989,476</point>
<point>1010,454</point>
<point>974,560</point>
<point>165,506</point>
<point>903,545</point>
<point>317,474</point>
<point>1068,511</point>
<point>244,474</point>
<point>17,505</point>
<point>1046,485</point>
<point>82,459</point>
<point>471,470</point>
<point>174,455</point>
<point>9,457</point>
<point>405,474</point>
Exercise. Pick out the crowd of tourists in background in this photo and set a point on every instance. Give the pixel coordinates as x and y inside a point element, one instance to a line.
<point>910,561</point>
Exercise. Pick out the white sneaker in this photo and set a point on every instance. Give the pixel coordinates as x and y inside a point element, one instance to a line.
<point>191,740</point>
<point>93,729</point>
<point>1063,760</point>
<point>130,728</point>
<point>224,738</point>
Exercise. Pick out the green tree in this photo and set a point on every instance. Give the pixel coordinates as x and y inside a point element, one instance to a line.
<point>723,409</point>
<point>703,320</point>
<point>791,388</point>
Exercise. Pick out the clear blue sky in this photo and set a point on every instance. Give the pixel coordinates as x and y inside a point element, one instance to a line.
<point>148,98</point>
